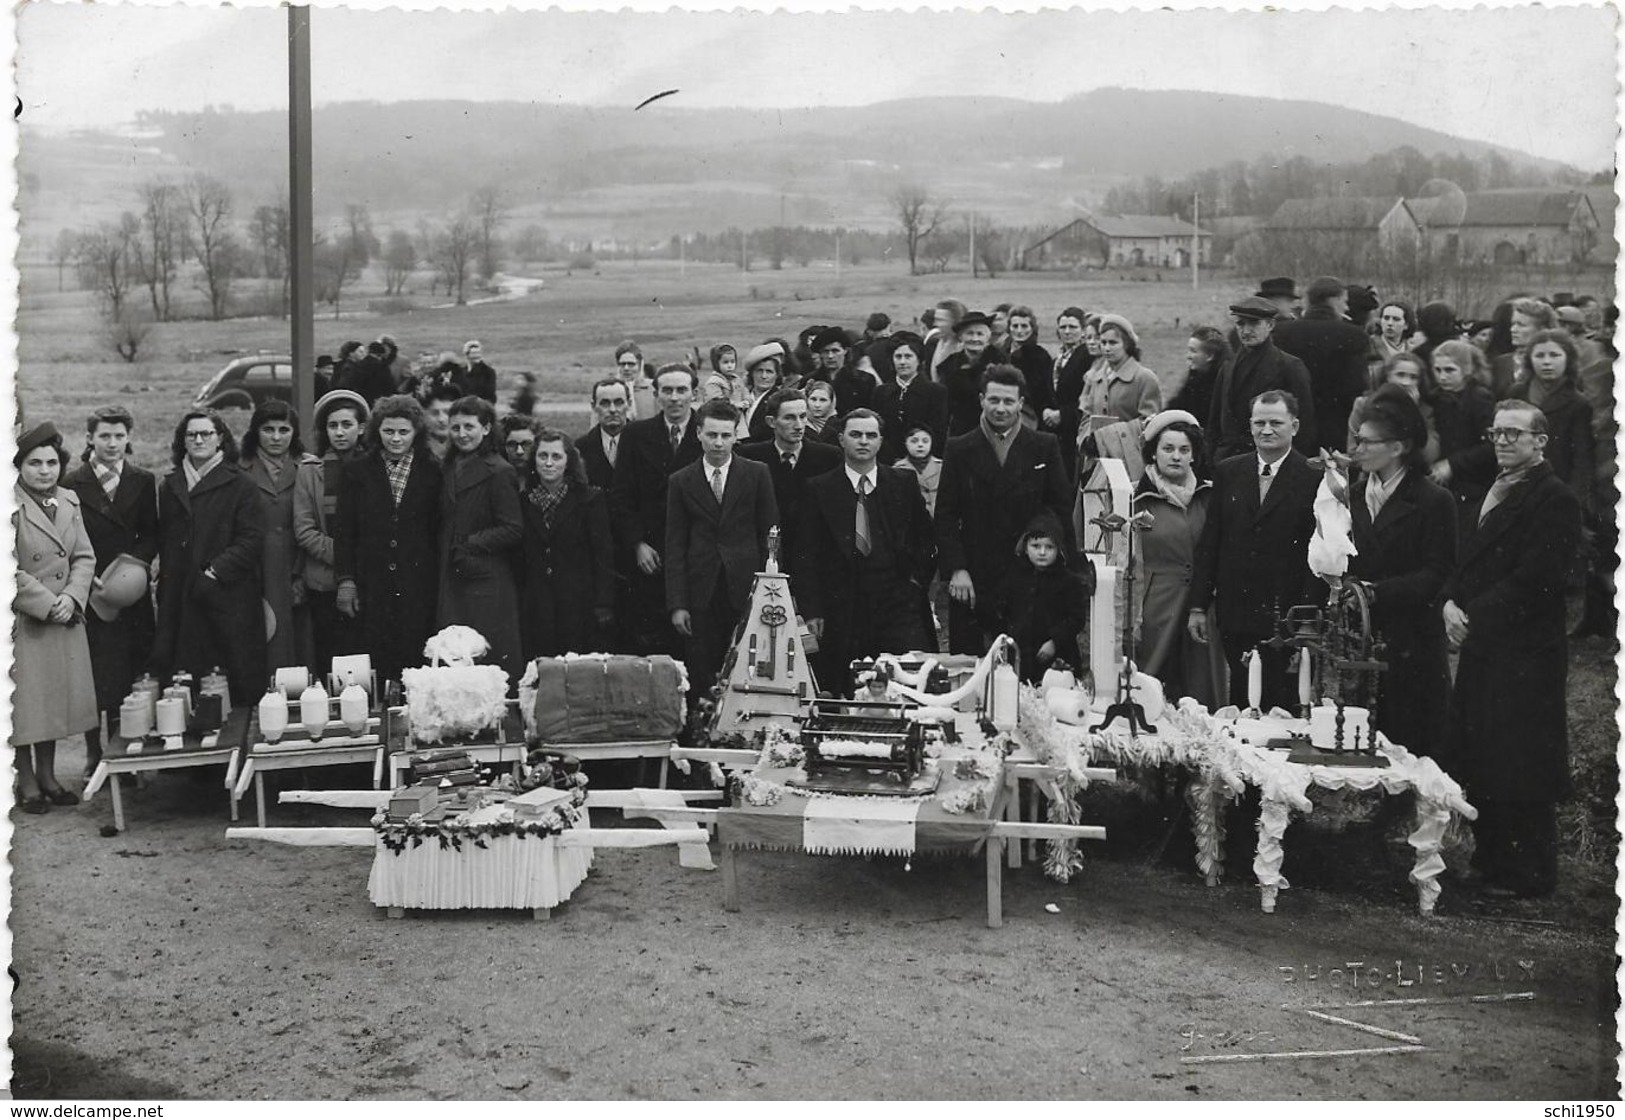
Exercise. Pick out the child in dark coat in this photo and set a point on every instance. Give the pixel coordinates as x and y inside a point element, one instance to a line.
<point>1044,603</point>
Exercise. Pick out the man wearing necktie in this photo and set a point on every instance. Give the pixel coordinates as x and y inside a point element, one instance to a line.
<point>650,452</point>
<point>1253,557</point>
<point>718,513</point>
<point>1504,610</point>
<point>794,461</point>
<point>600,447</point>
<point>864,553</point>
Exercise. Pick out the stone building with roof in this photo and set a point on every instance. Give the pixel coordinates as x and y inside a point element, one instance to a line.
<point>1128,241</point>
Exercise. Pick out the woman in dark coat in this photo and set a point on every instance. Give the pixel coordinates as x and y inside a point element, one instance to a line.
<point>126,522</point>
<point>211,532</point>
<point>1553,386</point>
<point>1037,365</point>
<point>386,537</point>
<point>1206,351</point>
<point>272,456</point>
<point>569,577</point>
<point>339,419</point>
<point>480,526</point>
<point>1405,553</point>
<point>1071,363</point>
<point>1462,411</point>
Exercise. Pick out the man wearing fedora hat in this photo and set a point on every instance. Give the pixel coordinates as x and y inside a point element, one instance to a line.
<point>119,502</point>
<point>1282,291</point>
<point>1257,366</point>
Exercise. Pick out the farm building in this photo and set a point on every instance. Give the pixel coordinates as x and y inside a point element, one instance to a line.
<point>1136,239</point>
<point>1338,235</point>
<point>1512,226</point>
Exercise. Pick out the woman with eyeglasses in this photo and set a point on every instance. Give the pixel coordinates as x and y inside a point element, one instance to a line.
<point>211,533</point>
<point>1405,541</point>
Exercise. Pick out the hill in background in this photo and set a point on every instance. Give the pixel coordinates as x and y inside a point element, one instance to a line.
<point>613,171</point>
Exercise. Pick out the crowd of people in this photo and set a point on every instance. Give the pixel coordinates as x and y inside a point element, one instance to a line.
<point>950,453</point>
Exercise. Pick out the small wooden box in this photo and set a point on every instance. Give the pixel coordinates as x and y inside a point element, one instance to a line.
<point>413,799</point>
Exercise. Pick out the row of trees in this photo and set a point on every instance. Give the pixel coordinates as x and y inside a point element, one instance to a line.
<point>1258,188</point>
<point>187,235</point>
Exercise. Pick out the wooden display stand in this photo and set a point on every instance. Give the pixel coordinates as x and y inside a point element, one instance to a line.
<point>766,676</point>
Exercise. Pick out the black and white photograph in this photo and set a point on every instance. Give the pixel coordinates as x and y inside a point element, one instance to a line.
<point>935,554</point>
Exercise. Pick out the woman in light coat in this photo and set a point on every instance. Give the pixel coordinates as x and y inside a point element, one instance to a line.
<point>55,693</point>
<point>271,457</point>
<point>340,418</point>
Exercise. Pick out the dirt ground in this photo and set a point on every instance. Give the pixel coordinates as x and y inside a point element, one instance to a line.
<point>168,962</point>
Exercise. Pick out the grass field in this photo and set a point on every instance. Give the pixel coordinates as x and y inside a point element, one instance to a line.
<point>566,333</point>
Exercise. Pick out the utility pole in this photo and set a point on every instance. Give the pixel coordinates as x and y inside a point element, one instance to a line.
<point>1196,241</point>
<point>837,252</point>
<point>682,258</point>
<point>744,257</point>
<point>301,224</point>
<point>974,271</point>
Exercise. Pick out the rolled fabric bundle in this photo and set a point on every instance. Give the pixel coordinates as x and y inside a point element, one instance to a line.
<point>1069,706</point>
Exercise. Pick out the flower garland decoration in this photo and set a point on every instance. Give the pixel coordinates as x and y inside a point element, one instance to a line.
<point>451,833</point>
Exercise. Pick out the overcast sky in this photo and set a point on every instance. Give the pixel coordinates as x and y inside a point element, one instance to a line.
<point>1539,80</point>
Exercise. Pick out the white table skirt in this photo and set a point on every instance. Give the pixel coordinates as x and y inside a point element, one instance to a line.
<point>511,872</point>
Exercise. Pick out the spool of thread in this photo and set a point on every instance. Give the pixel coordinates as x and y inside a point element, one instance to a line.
<point>210,714</point>
<point>181,692</point>
<point>313,710</point>
<point>217,684</point>
<point>273,715</point>
<point>134,716</point>
<point>293,680</point>
<point>1006,696</point>
<point>171,716</point>
<point>1068,706</point>
<point>353,709</point>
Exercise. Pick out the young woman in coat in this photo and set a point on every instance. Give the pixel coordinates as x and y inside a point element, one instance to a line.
<point>340,418</point>
<point>271,458</point>
<point>55,694</point>
<point>1405,552</point>
<point>1553,386</point>
<point>386,538</point>
<point>568,593</point>
<point>125,523</point>
<point>1037,365</point>
<point>1175,493</point>
<point>211,533</point>
<point>1462,411</point>
<point>480,525</point>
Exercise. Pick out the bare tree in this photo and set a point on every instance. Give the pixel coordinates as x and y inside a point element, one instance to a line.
<point>335,262</point>
<point>919,214</point>
<point>126,334</point>
<point>269,232</point>
<point>64,251</point>
<point>489,212</point>
<point>364,244</point>
<point>455,246</point>
<point>208,202</point>
<point>157,252</point>
<point>104,262</point>
<point>400,258</point>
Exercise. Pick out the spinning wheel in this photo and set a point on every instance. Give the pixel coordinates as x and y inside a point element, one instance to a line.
<point>1346,651</point>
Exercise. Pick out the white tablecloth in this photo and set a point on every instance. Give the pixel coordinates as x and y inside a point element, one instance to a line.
<point>510,872</point>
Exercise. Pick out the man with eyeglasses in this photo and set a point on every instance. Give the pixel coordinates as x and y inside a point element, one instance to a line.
<point>1504,611</point>
<point>629,367</point>
<point>1258,366</point>
<point>1252,561</point>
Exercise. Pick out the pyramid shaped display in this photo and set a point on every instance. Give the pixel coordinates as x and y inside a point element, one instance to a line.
<point>766,676</point>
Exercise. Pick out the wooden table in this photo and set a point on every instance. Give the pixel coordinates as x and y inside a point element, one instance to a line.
<point>222,747</point>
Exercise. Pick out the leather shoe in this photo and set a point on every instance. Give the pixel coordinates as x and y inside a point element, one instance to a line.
<point>34,806</point>
<point>61,796</point>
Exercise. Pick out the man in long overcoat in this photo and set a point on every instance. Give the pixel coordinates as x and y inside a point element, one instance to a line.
<point>1503,608</point>
<point>1256,367</point>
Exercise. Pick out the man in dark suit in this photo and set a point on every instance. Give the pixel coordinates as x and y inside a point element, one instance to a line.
<point>1257,367</point>
<point>1253,557</point>
<point>864,550</point>
<point>995,477</point>
<point>650,452</point>
<point>1504,610</point>
<point>718,513</point>
<point>600,447</point>
<point>854,387</point>
<point>793,460</point>
<point>1334,351</point>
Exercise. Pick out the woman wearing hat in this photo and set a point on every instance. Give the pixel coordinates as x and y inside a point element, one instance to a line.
<point>211,532</point>
<point>119,502</point>
<point>55,694</point>
<point>762,366</point>
<point>340,418</point>
<point>1174,491</point>
<point>1120,387</point>
<point>272,456</point>
<point>1405,543</point>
